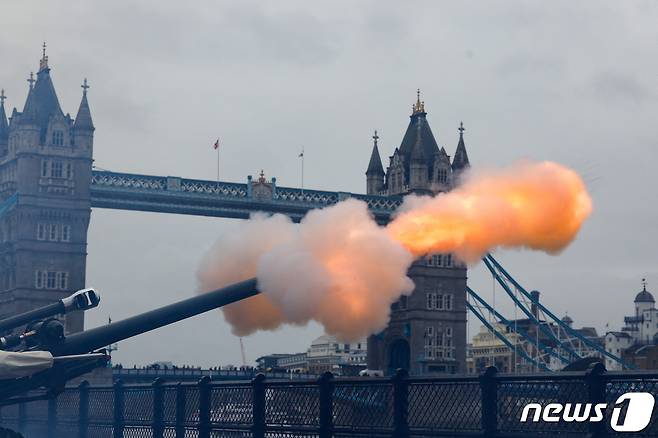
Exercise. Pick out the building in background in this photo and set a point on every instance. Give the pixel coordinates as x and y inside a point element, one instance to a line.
<point>45,171</point>
<point>427,331</point>
<point>487,349</point>
<point>637,340</point>
<point>324,354</point>
<point>327,354</point>
<point>294,363</point>
<point>271,361</point>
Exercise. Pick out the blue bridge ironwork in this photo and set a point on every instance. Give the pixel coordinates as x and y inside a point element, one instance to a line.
<point>168,194</point>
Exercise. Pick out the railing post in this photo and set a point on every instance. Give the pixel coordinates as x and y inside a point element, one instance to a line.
<point>596,382</point>
<point>204,407</point>
<point>158,408</point>
<point>326,386</point>
<point>83,409</point>
<point>180,411</point>
<point>118,409</point>
<point>400,404</point>
<point>258,406</point>
<point>489,388</point>
<point>22,418</point>
<point>52,418</point>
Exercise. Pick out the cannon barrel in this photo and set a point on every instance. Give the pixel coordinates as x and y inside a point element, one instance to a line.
<point>100,337</point>
<point>81,300</point>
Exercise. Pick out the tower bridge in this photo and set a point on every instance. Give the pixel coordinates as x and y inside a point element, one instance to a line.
<point>167,194</point>
<point>48,188</point>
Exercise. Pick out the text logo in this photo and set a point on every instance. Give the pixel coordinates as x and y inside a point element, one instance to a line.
<point>638,407</point>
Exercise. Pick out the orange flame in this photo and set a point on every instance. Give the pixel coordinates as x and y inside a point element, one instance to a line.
<point>535,205</point>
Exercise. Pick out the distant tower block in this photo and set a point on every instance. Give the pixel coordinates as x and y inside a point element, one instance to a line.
<point>45,158</point>
<point>427,332</point>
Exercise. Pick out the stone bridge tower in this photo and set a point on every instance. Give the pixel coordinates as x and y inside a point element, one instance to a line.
<point>427,332</point>
<point>45,175</point>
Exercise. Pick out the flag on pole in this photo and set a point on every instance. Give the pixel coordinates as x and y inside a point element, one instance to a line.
<point>216,145</point>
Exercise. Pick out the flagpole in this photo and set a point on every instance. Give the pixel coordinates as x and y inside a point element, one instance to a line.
<point>302,170</point>
<point>216,145</point>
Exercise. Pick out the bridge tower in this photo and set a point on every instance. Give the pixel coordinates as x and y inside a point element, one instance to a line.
<point>45,175</point>
<point>427,332</point>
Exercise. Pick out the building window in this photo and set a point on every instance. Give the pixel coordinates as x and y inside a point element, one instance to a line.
<point>434,260</point>
<point>66,233</point>
<point>440,260</point>
<point>68,173</point>
<point>442,176</point>
<point>51,280</point>
<point>439,302</point>
<point>44,168</point>
<point>62,280</point>
<point>52,232</point>
<point>56,169</point>
<point>39,280</point>
<point>41,231</point>
<point>447,301</point>
<point>432,300</point>
<point>58,138</point>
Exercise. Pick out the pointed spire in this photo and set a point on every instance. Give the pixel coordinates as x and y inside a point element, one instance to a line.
<point>43,63</point>
<point>4,126</point>
<point>419,106</point>
<point>42,102</point>
<point>31,80</point>
<point>461,161</point>
<point>375,165</point>
<point>83,120</point>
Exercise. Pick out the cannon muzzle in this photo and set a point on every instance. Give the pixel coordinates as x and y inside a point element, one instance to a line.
<point>84,299</point>
<point>99,337</point>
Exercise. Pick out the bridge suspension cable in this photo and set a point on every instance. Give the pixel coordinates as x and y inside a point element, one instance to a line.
<point>502,276</point>
<point>544,327</point>
<point>514,327</point>
<point>503,338</point>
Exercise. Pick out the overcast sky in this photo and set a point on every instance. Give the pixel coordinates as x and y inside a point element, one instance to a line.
<point>574,82</point>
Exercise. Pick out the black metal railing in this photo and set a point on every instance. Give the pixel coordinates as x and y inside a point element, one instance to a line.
<point>487,405</point>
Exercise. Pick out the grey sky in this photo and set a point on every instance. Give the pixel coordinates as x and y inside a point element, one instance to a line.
<point>574,82</point>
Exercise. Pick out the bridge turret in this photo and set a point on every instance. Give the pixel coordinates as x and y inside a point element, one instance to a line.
<point>375,172</point>
<point>83,127</point>
<point>48,167</point>
<point>461,162</point>
<point>4,126</point>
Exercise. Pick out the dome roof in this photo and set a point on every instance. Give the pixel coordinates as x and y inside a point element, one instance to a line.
<point>567,319</point>
<point>644,296</point>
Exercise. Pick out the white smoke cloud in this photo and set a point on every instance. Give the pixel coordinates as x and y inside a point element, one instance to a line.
<point>337,267</point>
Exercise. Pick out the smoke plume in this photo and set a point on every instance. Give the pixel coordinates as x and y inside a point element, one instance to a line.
<point>338,267</point>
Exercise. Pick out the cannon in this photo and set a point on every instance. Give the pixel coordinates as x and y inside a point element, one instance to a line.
<point>37,363</point>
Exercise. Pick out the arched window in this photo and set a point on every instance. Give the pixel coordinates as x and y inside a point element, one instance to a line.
<point>442,176</point>
<point>58,138</point>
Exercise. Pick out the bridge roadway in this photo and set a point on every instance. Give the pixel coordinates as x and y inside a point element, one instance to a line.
<point>168,194</point>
